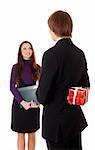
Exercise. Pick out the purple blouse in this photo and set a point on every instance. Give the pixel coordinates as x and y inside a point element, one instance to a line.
<point>25,76</point>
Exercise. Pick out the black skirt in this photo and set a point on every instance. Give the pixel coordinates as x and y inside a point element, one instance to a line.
<point>24,121</point>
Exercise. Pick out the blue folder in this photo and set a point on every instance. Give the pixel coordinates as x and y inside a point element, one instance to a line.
<point>29,93</point>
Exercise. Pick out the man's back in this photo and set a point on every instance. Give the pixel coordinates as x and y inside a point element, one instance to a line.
<point>63,66</point>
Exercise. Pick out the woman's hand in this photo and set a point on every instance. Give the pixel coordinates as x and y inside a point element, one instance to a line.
<point>26,105</point>
<point>34,105</point>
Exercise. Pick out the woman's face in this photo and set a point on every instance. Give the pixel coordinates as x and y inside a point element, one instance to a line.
<point>26,51</point>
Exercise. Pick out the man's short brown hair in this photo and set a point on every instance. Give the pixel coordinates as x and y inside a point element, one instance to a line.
<point>60,23</point>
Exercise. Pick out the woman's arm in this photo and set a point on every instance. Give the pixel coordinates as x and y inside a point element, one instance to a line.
<point>13,89</point>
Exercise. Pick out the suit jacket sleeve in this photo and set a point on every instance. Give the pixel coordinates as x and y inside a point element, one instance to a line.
<point>48,75</point>
<point>84,82</point>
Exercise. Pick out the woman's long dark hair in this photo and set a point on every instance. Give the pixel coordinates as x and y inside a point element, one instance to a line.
<point>20,62</point>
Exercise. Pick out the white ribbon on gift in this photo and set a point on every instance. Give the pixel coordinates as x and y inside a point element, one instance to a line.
<point>87,94</point>
<point>75,94</point>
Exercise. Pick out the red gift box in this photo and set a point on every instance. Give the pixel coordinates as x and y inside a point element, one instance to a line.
<point>77,95</point>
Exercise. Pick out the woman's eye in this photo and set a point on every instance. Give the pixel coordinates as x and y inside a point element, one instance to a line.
<point>24,48</point>
<point>30,49</point>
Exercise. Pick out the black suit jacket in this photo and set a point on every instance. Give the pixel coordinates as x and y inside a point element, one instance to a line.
<point>63,66</point>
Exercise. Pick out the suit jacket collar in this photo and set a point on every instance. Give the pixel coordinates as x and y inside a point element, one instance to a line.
<point>63,41</point>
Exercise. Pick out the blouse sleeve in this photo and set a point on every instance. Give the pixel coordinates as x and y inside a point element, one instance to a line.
<point>13,89</point>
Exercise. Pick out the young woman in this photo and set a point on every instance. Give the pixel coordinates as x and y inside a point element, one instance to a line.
<point>26,119</point>
<point>63,66</point>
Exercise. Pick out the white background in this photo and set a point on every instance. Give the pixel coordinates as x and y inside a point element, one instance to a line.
<point>27,20</point>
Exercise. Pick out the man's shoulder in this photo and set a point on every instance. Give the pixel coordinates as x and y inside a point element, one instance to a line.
<point>79,50</point>
<point>50,51</point>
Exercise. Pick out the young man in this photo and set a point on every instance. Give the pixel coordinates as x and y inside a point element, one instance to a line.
<point>63,66</point>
